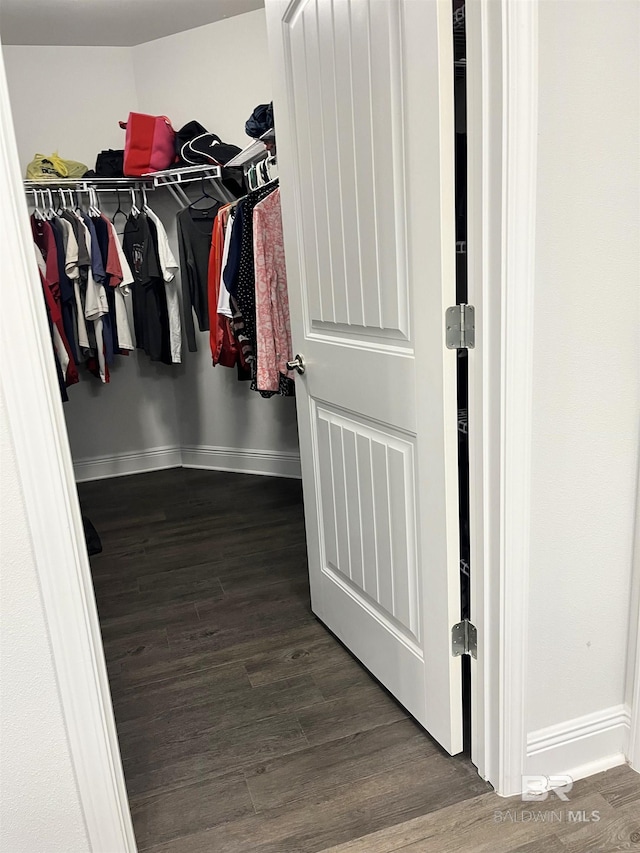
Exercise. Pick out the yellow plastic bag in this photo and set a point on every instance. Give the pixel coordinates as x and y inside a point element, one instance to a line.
<point>45,168</point>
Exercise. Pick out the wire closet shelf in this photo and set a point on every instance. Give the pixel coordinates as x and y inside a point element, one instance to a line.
<point>172,179</point>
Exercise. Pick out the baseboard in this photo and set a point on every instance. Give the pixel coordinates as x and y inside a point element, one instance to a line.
<point>271,463</point>
<point>121,464</point>
<point>580,747</point>
<point>267,462</point>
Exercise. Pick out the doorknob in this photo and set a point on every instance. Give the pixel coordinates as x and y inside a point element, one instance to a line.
<point>297,364</point>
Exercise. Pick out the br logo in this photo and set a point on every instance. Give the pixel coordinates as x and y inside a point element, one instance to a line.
<point>537,788</point>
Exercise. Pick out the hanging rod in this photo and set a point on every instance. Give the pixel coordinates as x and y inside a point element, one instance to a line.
<point>169,178</point>
<point>84,184</point>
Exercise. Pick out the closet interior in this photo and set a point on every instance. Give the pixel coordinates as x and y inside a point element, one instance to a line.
<point>243,723</point>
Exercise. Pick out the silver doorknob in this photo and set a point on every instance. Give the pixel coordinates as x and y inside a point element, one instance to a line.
<point>297,364</point>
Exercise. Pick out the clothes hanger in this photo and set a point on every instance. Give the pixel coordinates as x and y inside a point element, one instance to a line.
<point>50,212</point>
<point>119,210</point>
<point>135,210</point>
<point>252,177</point>
<point>94,209</point>
<point>205,195</point>
<point>272,167</point>
<point>37,212</point>
<point>67,201</point>
<point>145,202</point>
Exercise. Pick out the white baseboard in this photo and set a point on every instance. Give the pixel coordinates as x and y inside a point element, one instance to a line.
<point>121,464</point>
<point>267,462</point>
<point>580,747</point>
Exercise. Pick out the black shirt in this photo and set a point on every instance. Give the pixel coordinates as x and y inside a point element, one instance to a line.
<point>194,242</point>
<point>150,316</point>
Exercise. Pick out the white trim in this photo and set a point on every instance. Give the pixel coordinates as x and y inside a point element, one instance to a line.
<point>271,463</point>
<point>633,664</point>
<point>502,143</point>
<point>580,747</point>
<point>519,147</point>
<point>123,464</point>
<point>484,135</point>
<point>44,461</point>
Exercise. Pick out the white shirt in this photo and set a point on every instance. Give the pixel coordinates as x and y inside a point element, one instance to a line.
<point>71,250</point>
<point>224,306</point>
<point>169,267</point>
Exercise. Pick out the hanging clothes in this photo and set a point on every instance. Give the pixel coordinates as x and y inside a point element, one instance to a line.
<point>224,304</point>
<point>224,349</point>
<point>60,355</point>
<point>150,314</point>
<point>45,242</point>
<point>120,279</point>
<point>195,231</point>
<point>67,299</point>
<point>79,262</point>
<point>96,307</point>
<point>273,327</point>
<point>169,268</point>
<point>246,287</point>
<point>72,268</point>
<point>109,321</point>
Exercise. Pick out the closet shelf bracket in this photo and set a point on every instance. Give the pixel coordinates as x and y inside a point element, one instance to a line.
<point>460,327</point>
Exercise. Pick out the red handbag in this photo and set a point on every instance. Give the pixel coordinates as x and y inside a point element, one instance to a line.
<point>149,144</point>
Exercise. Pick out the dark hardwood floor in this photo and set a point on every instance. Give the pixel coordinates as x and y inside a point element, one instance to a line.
<point>244,726</point>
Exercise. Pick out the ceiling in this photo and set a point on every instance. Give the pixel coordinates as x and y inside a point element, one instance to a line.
<point>109,22</point>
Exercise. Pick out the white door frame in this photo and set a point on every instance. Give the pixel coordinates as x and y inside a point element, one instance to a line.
<point>502,98</point>
<point>503,110</point>
<point>633,660</point>
<point>43,458</point>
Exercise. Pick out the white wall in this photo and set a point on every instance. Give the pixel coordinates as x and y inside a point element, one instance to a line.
<point>69,99</point>
<point>216,74</point>
<point>39,805</point>
<point>586,410</point>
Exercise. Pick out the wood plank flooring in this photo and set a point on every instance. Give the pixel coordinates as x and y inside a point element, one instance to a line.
<point>245,726</point>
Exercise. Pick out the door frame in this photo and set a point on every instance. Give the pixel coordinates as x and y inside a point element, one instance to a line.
<point>502,109</point>
<point>502,159</point>
<point>43,458</point>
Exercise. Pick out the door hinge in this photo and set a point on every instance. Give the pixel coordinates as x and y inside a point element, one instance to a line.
<point>464,639</point>
<point>460,323</point>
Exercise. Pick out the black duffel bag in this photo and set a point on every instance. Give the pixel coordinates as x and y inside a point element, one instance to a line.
<point>110,164</point>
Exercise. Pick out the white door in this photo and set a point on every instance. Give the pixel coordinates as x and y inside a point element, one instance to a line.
<point>363,104</point>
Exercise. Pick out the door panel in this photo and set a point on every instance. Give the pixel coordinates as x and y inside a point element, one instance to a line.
<point>353,203</point>
<point>363,99</point>
<point>366,480</point>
